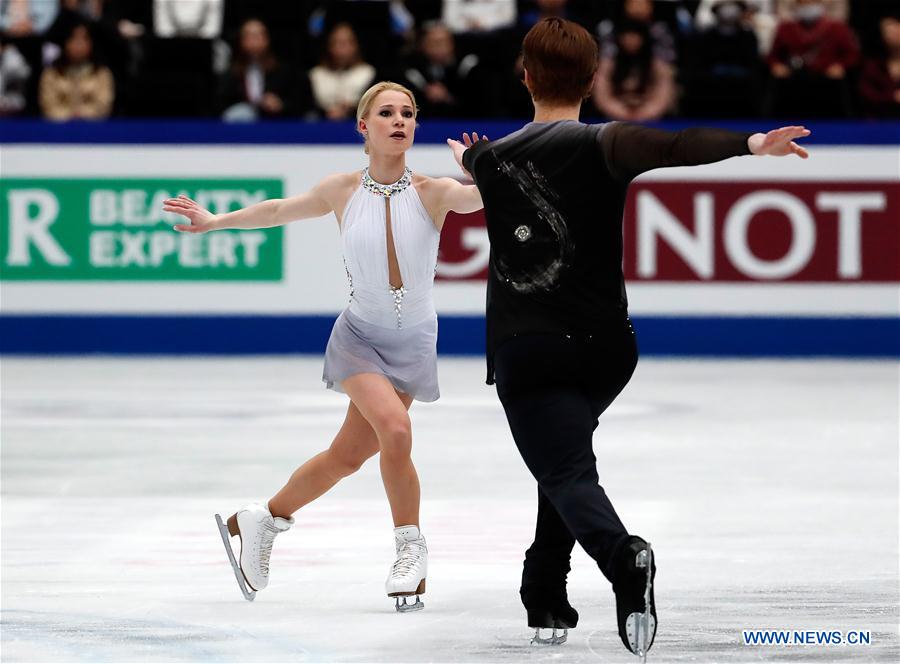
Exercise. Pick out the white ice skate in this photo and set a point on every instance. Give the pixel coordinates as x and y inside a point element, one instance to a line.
<point>256,528</point>
<point>407,577</point>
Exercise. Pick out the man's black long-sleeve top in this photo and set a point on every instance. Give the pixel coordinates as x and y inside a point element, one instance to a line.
<point>554,196</point>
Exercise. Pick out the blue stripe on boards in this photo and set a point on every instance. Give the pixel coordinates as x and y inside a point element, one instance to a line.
<point>683,336</point>
<point>204,132</point>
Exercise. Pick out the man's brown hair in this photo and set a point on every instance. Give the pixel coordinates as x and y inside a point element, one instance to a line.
<point>561,58</point>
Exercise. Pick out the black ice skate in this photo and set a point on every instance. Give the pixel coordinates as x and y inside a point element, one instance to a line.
<point>634,571</point>
<point>548,608</point>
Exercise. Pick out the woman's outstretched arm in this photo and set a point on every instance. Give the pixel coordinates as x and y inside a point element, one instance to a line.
<point>320,200</point>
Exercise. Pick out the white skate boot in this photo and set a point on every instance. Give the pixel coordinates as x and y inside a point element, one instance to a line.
<point>256,528</point>
<point>407,577</point>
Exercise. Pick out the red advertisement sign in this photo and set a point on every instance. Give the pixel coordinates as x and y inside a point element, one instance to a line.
<point>734,232</point>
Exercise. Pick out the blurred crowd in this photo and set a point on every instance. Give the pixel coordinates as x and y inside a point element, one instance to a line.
<point>244,60</point>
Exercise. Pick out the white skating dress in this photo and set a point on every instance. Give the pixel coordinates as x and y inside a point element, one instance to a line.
<point>385,330</point>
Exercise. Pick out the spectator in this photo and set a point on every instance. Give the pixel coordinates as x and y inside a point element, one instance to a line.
<point>865,20</point>
<point>722,65</point>
<point>879,83</point>
<point>442,83</point>
<point>484,27</point>
<point>809,61</point>
<point>128,21</point>
<point>383,28</point>
<point>479,16</point>
<point>104,34</point>
<point>25,24</point>
<point>339,80</point>
<point>77,86</point>
<point>14,73</point>
<point>634,83</point>
<point>659,38</point>
<point>26,18</point>
<point>188,18</point>
<point>678,16</point>
<point>760,16</point>
<point>258,85</point>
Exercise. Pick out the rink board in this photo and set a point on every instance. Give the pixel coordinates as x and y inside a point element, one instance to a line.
<point>749,257</point>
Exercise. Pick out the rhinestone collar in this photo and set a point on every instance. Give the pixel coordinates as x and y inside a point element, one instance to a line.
<point>386,190</point>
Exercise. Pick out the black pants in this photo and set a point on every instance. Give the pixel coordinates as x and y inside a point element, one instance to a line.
<point>553,389</point>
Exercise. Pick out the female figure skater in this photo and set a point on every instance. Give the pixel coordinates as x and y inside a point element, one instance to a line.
<point>560,343</point>
<point>382,350</point>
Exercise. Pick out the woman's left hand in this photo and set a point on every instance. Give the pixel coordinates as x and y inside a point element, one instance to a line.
<point>779,142</point>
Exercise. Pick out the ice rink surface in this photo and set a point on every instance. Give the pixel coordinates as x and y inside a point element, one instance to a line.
<point>768,489</point>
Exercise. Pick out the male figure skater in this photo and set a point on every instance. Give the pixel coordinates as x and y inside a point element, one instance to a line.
<point>560,345</point>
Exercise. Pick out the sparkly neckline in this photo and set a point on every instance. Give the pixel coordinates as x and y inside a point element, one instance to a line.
<point>386,190</point>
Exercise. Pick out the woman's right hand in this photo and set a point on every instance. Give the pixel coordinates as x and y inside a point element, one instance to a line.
<point>458,148</point>
<point>202,220</point>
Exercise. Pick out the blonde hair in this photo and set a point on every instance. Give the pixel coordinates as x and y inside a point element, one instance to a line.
<point>368,98</point>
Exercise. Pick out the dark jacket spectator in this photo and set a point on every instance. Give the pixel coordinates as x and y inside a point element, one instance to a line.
<point>443,84</point>
<point>634,84</point>
<point>257,84</point>
<point>760,17</point>
<point>722,66</point>
<point>77,86</point>
<point>660,38</point>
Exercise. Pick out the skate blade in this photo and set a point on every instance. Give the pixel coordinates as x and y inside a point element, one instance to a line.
<point>554,639</point>
<point>238,574</point>
<point>406,607</point>
<point>640,627</point>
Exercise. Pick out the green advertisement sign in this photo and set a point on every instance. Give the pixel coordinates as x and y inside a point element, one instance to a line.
<point>97,229</point>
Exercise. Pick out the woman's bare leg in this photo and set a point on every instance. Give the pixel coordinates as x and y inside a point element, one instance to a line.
<point>386,411</point>
<point>352,446</point>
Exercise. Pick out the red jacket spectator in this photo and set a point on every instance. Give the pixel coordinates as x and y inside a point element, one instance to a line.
<point>821,47</point>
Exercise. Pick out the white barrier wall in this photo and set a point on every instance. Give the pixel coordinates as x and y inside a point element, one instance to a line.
<point>82,233</point>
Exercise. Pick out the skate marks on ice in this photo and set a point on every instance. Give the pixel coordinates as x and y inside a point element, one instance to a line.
<point>108,553</point>
<point>43,636</point>
<point>706,624</point>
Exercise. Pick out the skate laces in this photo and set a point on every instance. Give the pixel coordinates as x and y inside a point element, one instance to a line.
<point>408,556</point>
<point>266,539</point>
